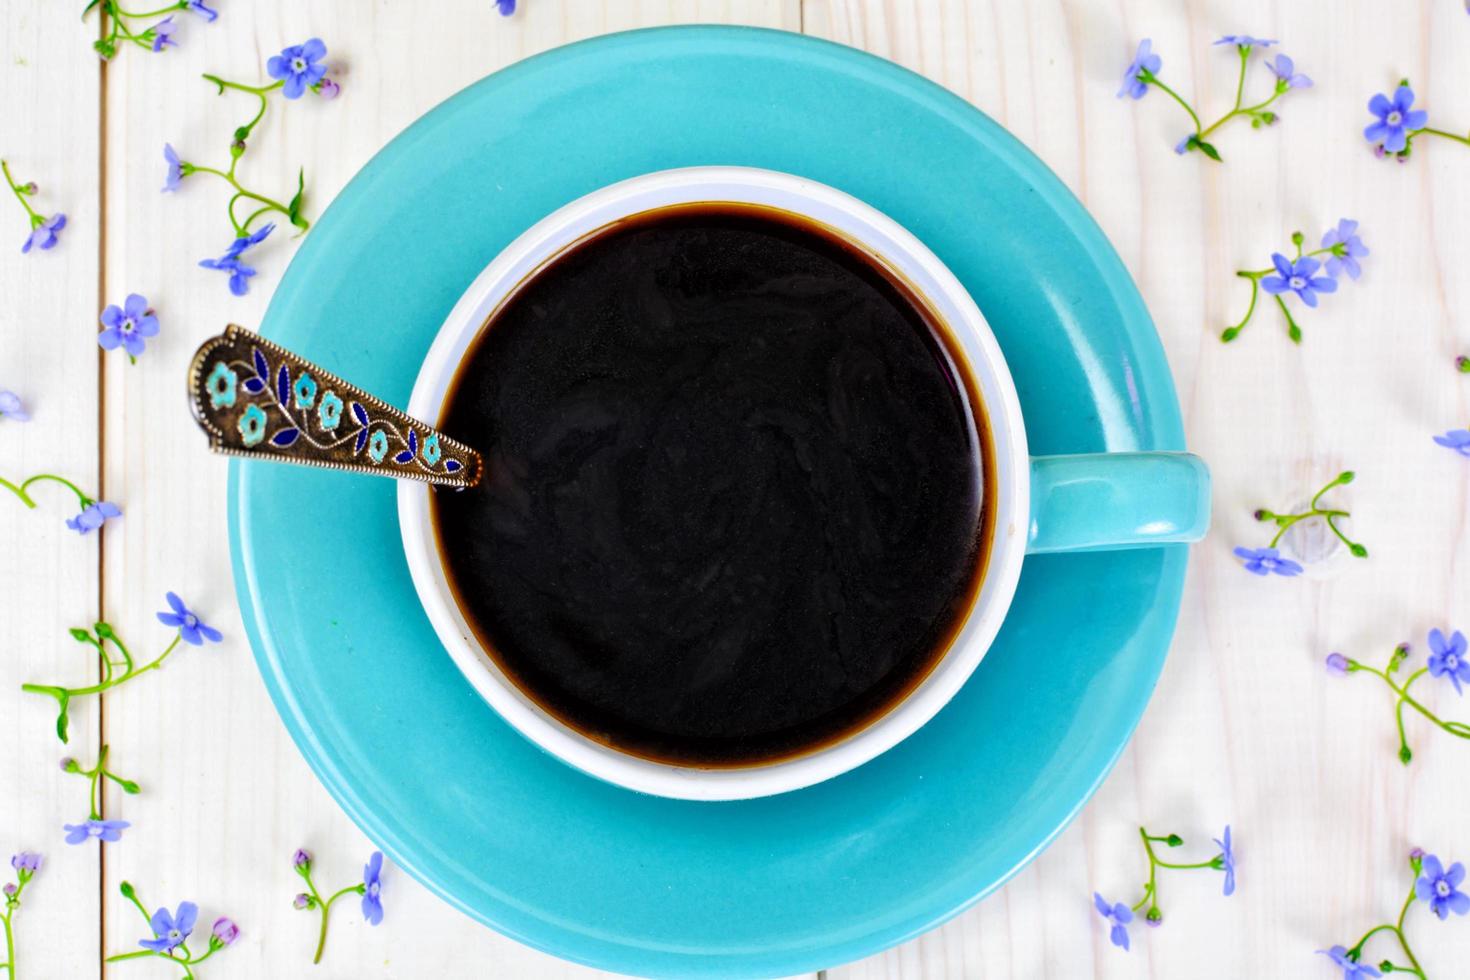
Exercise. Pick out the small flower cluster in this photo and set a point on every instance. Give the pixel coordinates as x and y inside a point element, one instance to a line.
<point>1396,124</point>
<point>1299,276</point>
<point>26,864</point>
<point>1448,660</point>
<point>93,513</point>
<point>45,231</point>
<point>1119,916</point>
<point>119,667</point>
<point>171,932</point>
<point>297,70</point>
<point>370,888</point>
<point>1143,71</point>
<point>1434,885</point>
<point>1268,560</point>
<point>155,38</point>
<point>94,827</point>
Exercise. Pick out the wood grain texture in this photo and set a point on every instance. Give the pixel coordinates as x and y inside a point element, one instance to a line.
<point>48,574</point>
<point>1244,727</point>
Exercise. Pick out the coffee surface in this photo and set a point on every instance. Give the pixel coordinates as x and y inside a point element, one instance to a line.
<point>733,502</point>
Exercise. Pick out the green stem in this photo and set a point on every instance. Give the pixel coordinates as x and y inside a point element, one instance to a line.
<point>119,12</point>
<point>1292,330</point>
<point>270,204</point>
<point>108,685</point>
<point>25,498</point>
<point>9,963</point>
<point>1440,132</point>
<point>1231,333</point>
<point>1406,698</point>
<point>20,196</point>
<point>1149,78</point>
<point>326,907</point>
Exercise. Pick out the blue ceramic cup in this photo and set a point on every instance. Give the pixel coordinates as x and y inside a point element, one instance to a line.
<point>1037,505</point>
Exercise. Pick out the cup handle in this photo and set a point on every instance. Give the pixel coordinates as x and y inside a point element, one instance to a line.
<point>1112,501</point>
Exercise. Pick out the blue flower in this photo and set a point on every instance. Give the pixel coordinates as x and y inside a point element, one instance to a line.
<point>1227,861</point>
<point>1267,561</point>
<point>191,628</point>
<point>1144,61</point>
<point>1298,277</point>
<point>1346,235</point>
<point>163,34</point>
<point>1182,147</point>
<point>1338,664</point>
<point>372,903</point>
<point>104,830</point>
<point>430,452</point>
<point>169,931</point>
<point>1246,41</point>
<point>1456,439</point>
<point>44,235</point>
<point>329,412</point>
<point>93,516</point>
<point>1350,970</point>
<point>222,384</point>
<point>1447,659</point>
<point>11,407</point>
<point>305,390</point>
<point>298,67</point>
<point>506,7</point>
<point>1441,888</point>
<point>1396,118</point>
<point>378,446</point>
<point>1119,915</point>
<point>175,169</point>
<point>198,7</point>
<point>240,273</point>
<point>251,425</point>
<point>128,325</point>
<point>1285,71</point>
<point>27,861</point>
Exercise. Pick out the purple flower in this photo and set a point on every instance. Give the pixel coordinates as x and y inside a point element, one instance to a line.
<point>93,516</point>
<point>190,627</point>
<point>1456,439</point>
<point>1447,659</point>
<point>1267,561</point>
<point>175,169</point>
<point>170,930</point>
<point>27,861</point>
<point>128,325</point>
<point>44,235</point>
<point>1299,277</point>
<point>1441,888</point>
<point>328,89</point>
<point>1119,915</point>
<point>225,931</point>
<point>1285,71</point>
<point>1246,41</point>
<point>298,67</point>
<point>11,408</point>
<point>1337,663</point>
<point>1182,147</point>
<point>1346,235</point>
<point>106,830</point>
<point>1350,969</point>
<point>1396,118</point>
<point>199,7</point>
<point>372,903</point>
<point>9,889</point>
<point>1227,861</point>
<point>240,273</point>
<point>302,901</point>
<point>506,7</point>
<point>301,860</point>
<point>163,34</point>
<point>1144,61</point>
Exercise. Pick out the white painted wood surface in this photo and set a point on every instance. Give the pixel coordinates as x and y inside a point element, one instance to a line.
<point>1245,727</point>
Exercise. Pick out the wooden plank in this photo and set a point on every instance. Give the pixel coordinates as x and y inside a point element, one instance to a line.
<point>1245,726</point>
<point>227,796</point>
<point>49,575</point>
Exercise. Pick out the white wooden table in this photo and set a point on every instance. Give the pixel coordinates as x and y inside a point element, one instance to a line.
<point>1245,726</point>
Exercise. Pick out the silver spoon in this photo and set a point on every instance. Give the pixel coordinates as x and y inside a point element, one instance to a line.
<point>258,400</point>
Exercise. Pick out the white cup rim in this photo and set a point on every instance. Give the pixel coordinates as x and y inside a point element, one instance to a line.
<point>1010,486</point>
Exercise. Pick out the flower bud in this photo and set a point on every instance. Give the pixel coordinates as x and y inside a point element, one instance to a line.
<point>1154,918</point>
<point>70,765</point>
<point>9,888</point>
<point>225,931</point>
<point>1463,363</point>
<point>328,89</point>
<point>104,629</point>
<point>1417,854</point>
<point>26,861</point>
<point>1338,664</point>
<point>302,901</point>
<point>301,860</point>
<point>29,187</point>
<point>237,149</point>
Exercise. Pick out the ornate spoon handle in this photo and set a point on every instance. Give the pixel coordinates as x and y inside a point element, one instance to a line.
<point>257,399</point>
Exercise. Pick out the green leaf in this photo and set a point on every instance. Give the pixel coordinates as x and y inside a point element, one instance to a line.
<point>1208,150</point>
<point>294,208</point>
<point>88,9</point>
<point>62,718</point>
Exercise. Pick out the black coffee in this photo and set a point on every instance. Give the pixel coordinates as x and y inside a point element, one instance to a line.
<point>734,499</point>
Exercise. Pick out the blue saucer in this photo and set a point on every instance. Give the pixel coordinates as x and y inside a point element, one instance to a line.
<point>577,867</point>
